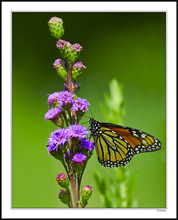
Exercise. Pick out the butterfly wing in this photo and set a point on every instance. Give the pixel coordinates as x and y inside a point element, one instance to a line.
<point>112,149</point>
<point>116,145</point>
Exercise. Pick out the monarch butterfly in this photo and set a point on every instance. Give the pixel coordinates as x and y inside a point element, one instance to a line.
<point>116,145</point>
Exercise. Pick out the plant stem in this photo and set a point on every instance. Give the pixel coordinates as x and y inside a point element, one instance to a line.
<point>65,118</point>
<point>73,186</point>
<point>69,67</point>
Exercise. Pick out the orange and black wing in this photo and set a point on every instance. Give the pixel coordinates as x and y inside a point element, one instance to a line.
<point>116,145</point>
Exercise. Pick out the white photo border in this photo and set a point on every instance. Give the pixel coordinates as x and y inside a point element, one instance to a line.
<point>171,13</point>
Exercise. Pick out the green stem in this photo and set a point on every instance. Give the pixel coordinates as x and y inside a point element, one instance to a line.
<point>69,67</point>
<point>73,186</point>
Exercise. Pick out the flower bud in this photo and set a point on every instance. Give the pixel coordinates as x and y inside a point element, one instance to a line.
<point>59,66</point>
<point>56,27</point>
<point>64,48</point>
<point>77,69</point>
<point>64,197</point>
<point>74,52</point>
<point>86,192</point>
<point>63,180</point>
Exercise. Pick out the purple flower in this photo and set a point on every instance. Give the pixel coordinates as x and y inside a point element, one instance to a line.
<point>62,43</point>
<point>52,145</point>
<point>80,105</point>
<point>60,98</point>
<point>86,145</point>
<point>57,63</point>
<point>77,131</point>
<point>52,98</point>
<point>79,65</point>
<point>79,158</point>
<point>53,114</point>
<point>76,47</point>
<point>65,98</point>
<point>61,176</point>
<point>60,135</point>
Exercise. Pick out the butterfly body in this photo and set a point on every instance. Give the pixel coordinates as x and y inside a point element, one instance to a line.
<point>116,145</point>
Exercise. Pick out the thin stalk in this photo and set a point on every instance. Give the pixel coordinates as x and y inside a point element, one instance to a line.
<point>65,118</point>
<point>69,67</point>
<point>73,186</point>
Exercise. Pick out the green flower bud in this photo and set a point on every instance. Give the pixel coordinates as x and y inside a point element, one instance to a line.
<point>86,192</point>
<point>77,69</point>
<point>74,52</point>
<point>63,180</point>
<point>68,51</point>
<point>64,197</point>
<point>59,66</point>
<point>56,27</point>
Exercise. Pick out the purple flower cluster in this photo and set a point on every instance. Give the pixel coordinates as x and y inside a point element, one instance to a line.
<point>60,98</point>
<point>77,131</point>
<point>53,113</point>
<point>65,98</point>
<point>60,136</point>
<point>52,98</point>
<point>52,145</point>
<point>86,145</point>
<point>79,65</point>
<point>79,158</point>
<point>57,63</point>
<point>76,47</point>
<point>62,43</point>
<point>80,105</point>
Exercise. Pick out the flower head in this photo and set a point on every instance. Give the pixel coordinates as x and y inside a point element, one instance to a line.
<point>52,145</point>
<point>80,105</point>
<point>60,98</point>
<point>52,98</point>
<point>65,98</point>
<point>60,136</point>
<point>57,63</point>
<point>77,69</point>
<point>79,158</point>
<point>59,66</point>
<point>76,47</point>
<point>79,65</point>
<point>53,114</point>
<point>77,131</point>
<point>86,145</point>
<point>61,44</point>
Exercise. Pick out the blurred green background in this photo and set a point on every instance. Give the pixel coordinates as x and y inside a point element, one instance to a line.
<point>130,47</point>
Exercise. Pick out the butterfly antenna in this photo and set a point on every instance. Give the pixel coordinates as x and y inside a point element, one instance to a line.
<point>90,112</point>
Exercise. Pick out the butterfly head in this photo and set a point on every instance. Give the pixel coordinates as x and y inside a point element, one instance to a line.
<point>95,125</point>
